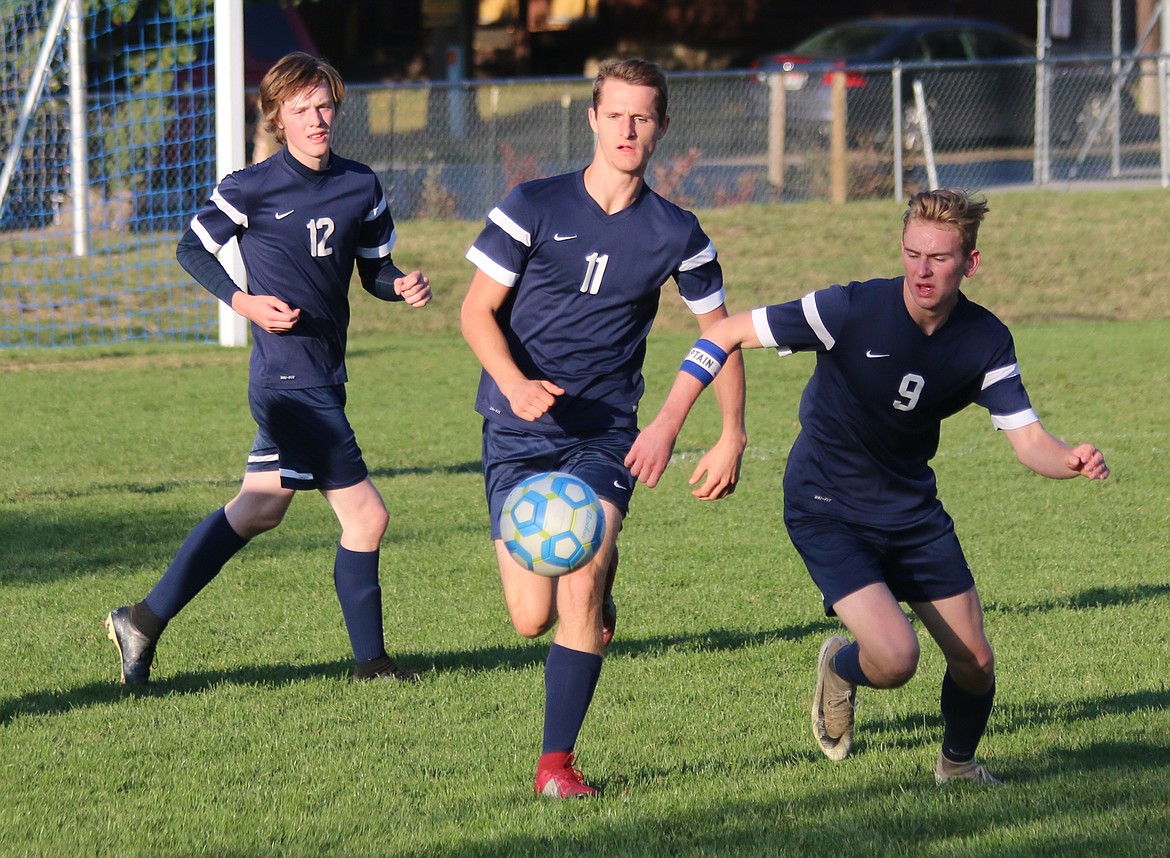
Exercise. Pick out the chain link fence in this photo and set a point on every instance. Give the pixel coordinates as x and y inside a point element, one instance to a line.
<point>454,150</point>
<point>741,137</point>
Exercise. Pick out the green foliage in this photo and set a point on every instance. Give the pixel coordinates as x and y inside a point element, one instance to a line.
<point>254,742</point>
<point>139,57</point>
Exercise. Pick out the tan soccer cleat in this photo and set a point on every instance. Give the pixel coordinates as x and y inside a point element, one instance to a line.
<point>832,707</point>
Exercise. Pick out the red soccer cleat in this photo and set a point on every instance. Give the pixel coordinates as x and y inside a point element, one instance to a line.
<point>556,777</point>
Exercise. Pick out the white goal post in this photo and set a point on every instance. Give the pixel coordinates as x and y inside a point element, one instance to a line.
<point>229,143</point>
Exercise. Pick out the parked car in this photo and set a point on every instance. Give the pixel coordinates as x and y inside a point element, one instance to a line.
<point>978,78</point>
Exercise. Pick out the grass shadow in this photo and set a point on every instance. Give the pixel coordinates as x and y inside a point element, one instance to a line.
<point>523,656</point>
<point>1093,597</point>
<point>872,817</point>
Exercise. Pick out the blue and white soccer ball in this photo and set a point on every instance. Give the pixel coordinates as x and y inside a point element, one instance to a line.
<point>552,523</point>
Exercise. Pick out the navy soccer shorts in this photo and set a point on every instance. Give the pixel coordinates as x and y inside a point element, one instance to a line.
<point>921,563</point>
<point>598,458</point>
<point>305,434</point>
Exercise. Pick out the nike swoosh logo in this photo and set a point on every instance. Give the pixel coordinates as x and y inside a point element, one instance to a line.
<point>618,485</point>
<point>870,354</point>
<point>559,237</point>
<point>283,215</point>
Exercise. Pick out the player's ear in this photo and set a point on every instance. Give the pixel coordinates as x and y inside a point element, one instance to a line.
<point>662,126</point>
<point>971,263</point>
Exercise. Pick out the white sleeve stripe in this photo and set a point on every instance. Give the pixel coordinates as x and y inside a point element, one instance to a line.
<point>706,305</point>
<point>813,316</point>
<point>381,207</point>
<point>510,226</point>
<point>998,375</point>
<point>1014,421</point>
<point>707,254</point>
<point>492,268</point>
<point>379,251</point>
<point>237,217</point>
<point>763,329</point>
<point>209,243</point>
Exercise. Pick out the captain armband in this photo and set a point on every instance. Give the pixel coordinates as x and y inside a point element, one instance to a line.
<point>704,361</point>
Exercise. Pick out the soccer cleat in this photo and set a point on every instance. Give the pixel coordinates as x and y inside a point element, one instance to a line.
<point>556,777</point>
<point>971,772</point>
<point>135,648</point>
<point>832,707</point>
<point>391,670</point>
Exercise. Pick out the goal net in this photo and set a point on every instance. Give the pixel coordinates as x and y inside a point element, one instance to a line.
<point>108,135</point>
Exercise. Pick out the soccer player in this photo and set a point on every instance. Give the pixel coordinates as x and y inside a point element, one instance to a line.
<point>302,218</point>
<point>569,271</point>
<point>894,357</point>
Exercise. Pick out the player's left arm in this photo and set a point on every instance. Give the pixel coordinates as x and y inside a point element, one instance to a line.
<point>385,281</point>
<point>1041,451</point>
<point>722,462</point>
<point>651,451</point>
<point>376,269</point>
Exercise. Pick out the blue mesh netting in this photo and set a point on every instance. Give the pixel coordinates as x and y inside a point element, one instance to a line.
<point>150,158</point>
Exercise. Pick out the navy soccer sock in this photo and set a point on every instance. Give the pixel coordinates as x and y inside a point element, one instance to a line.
<point>570,676</point>
<point>847,665</point>
<point>210,545</point>
<point>964,719</point>
<point>355,575</point>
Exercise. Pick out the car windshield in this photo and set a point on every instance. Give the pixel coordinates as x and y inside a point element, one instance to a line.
<point>848,40</point>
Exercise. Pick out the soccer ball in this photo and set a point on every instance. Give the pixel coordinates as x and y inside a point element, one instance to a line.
<point>552,523</point>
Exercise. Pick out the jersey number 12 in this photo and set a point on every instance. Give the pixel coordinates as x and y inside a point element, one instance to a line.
<point>319,232</point>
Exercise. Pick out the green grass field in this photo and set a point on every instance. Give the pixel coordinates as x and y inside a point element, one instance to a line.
<point>253,742</point>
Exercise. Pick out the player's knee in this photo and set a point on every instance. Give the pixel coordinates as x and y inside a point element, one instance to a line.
<point>985,662</point>
<point>531,626</point>
<point>365,532</point>
<point>377,521</point>
<point>581,591</point>
<point>901,672</point>
<point>896,662</point>
<point>253,519</point>
<point>975,666</point>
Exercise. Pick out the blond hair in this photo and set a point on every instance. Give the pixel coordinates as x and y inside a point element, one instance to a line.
<point>952,208</point>
<point>292,74</point>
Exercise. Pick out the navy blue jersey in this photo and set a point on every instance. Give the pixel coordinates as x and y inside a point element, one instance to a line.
<point>300,232</point>
<point>584,292</point>
<point>870,415</point>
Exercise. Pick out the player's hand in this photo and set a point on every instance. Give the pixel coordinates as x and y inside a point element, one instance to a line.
<point>530,399</point>
<point>650,453</point>
<point>721,465</point>
<point>267,311</point>
<point>415,288</point>
<point>1088,461</point>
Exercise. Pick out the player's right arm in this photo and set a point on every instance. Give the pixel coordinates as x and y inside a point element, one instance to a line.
<point>480,324</point>
<point>219,220</point>
<point>266,311</point>
<point>651,451</point>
